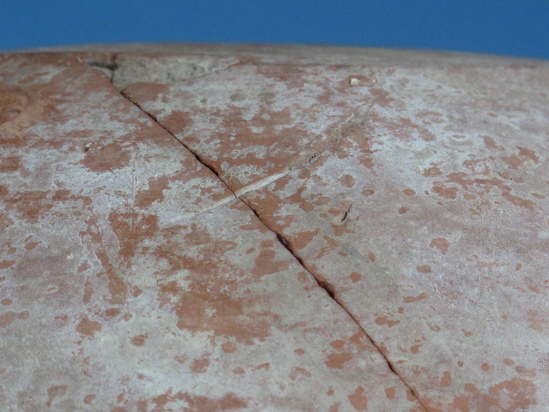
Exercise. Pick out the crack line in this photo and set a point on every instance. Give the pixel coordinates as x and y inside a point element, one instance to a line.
<point>322,283</point>
<point>330,290</point>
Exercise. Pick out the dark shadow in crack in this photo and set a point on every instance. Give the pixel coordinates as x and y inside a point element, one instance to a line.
<point>322,283</point>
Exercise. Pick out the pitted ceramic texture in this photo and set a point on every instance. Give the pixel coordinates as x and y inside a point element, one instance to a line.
<point>427,216</point>
<point>133,279</point>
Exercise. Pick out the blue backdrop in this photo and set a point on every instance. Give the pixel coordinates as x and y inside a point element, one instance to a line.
<point>508,27</point>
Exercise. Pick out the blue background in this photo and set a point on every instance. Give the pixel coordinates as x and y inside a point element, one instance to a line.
<point>508,27</point>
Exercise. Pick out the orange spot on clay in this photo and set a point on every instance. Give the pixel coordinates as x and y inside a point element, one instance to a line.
<point>337,344</point>
<point>415,348</point>
<point>359,401</point>
<point>347,180</point>
<point>424,269</point>
<point>421,296</point>
<point>441,244</point>
<point>7,318</point>
<point>299,371</point>
<point>446,379</point>
<point>228,347</point>
<point>139,340</point>
<point>88,399</point>
<point>384,320</point>
<point>88,327</point>
<point>446,192</point>
<point>335,407</point>
<point>112,156</point>
<point>6,264</point>
<point>201,364</point>
<point>355,276</point>
<point>112,312</point>
<point>201,403</point>
<point>31,245</point>
<point>336,360</point>
<point>432,172</point>
<point>265,365</point>
<point>55,391</point>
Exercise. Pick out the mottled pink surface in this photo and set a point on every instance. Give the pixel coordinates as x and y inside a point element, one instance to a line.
<point>207,228</point>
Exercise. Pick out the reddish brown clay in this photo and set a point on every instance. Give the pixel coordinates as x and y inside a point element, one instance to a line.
<point>204,228</point>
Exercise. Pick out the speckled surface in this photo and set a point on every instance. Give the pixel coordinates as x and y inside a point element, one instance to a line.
<point>238,228</point>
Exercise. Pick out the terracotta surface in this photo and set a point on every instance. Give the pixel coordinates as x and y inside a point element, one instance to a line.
<point>210,228</point>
